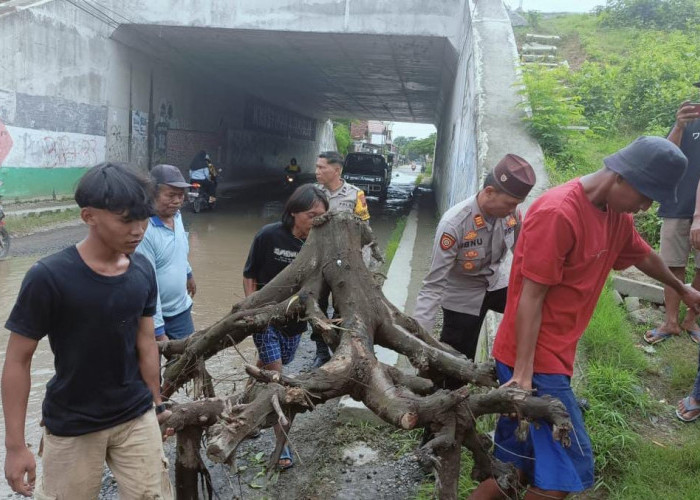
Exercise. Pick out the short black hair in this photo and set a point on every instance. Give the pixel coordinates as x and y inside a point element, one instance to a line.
<point>302,199</point>
<point>490,180</point>
<point>293,161</point>
<point>118,188</point>
<point>332,157</point>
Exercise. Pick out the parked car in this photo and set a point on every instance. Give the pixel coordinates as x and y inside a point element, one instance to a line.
<point>369,172</point>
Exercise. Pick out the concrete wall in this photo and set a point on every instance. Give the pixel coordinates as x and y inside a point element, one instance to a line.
<point>456,166</point>
<point>71,97</point>
<point>482,120</point>
<point>412,17</point>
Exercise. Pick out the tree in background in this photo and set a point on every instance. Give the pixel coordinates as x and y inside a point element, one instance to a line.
<point>341,130</point>
<point>413,148</point>
<point>654,14</point>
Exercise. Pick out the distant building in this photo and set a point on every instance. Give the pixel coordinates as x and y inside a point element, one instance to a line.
<point>372,136</point>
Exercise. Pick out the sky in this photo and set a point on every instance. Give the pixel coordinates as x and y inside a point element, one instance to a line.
<point>417,130</point>
<point>557,5</point>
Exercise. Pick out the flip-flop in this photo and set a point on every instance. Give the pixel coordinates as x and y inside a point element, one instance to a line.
<point>286,455</point>
<point>688,406</point>
<point>654,336</point>
<point>694,335</point>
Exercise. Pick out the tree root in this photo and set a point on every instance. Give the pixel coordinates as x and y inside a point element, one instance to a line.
<point>331,261</point>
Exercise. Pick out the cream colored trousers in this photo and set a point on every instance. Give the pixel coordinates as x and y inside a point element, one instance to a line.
<point>72,466</point>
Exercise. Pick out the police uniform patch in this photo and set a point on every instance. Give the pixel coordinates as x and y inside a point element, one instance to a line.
<point>361,199</point>
<point>479,221</point>
<point>511,221</point>
<point>469,265</point>
<point>446,241</point>
<point>471,235</point>
<point>471,254</point>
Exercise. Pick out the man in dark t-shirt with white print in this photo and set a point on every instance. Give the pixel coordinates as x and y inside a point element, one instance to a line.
<point>273,249</point>
<point>95,301</point>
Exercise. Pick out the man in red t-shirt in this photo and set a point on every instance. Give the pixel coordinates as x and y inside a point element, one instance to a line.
<point>572,236</point>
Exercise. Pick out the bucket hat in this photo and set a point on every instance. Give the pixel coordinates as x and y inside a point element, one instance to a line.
<point>651,165</point>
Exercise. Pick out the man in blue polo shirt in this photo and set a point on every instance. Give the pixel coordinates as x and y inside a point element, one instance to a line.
<point>165,245</point>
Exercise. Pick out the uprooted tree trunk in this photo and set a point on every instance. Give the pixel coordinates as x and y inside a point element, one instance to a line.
<point>331,261</point>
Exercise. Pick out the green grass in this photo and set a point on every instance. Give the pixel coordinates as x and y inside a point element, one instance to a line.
<point>419,179</point>
<point>662,472</point>
<point>466,484</point>
<point>394,240</point>
<point>23,225</point>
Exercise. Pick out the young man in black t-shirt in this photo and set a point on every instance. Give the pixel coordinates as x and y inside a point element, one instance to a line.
<point>273,249</point>
<point>95,302</point>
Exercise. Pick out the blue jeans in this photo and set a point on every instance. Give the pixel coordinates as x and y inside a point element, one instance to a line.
<point>696,386</point>
<point>545,462</point>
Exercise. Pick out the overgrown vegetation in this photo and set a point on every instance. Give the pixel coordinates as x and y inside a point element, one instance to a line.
<point>629,79</point>
<point>415,149</point>
<point>632,65</point>
<point>341,130</point>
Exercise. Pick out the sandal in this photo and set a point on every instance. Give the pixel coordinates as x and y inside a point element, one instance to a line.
<point>655,336</point>
<point>688,407</point>
<point>694,335</point>
<point>286,455</point>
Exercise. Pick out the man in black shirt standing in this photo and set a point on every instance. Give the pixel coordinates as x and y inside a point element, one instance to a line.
<point>95,302</point>
<point>273,249</point>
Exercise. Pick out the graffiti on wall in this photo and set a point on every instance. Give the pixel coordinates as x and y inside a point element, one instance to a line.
<point>56,113</point>
<point>5,142</point>
<point>117,144</point>
<point>265,117</point>
<point>139,138</point>
<point>160,131</point>
<point>43,148</point>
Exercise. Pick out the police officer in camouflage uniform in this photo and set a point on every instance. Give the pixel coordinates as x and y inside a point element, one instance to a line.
<point>471,260</point>
<point>342,197</point>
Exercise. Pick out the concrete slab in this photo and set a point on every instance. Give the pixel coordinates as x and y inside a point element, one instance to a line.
<point>633,288</point>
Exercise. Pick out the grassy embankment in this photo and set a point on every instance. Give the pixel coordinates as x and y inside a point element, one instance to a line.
<point>623,82</point>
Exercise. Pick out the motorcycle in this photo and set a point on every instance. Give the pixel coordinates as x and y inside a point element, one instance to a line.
<point>4,235</point>
<point>291,181</point>
<point>198,199</point>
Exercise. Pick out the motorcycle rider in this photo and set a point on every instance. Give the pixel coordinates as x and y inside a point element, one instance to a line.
<point>293,168</point>
<point>200,174</point>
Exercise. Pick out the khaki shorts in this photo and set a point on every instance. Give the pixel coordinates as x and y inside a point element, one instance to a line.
<point>675,243</point>
<point>72,466</point>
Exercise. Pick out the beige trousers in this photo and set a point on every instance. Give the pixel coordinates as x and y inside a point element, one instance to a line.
<point>72,466</point>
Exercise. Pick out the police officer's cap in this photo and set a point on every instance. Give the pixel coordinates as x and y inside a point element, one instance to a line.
<point>514,176</point>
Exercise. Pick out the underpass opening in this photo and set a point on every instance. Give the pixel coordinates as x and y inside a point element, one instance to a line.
<point>255,99</point>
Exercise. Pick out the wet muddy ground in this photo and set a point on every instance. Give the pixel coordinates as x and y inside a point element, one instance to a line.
<point>219,243</point>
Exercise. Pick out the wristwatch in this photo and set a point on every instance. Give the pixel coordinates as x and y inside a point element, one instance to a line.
<point>160,408</point>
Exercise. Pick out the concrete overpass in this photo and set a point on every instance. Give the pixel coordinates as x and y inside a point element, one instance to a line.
<point>253,82</point>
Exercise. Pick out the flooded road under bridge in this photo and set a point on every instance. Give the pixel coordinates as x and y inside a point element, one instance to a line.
<point>219,244</point>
